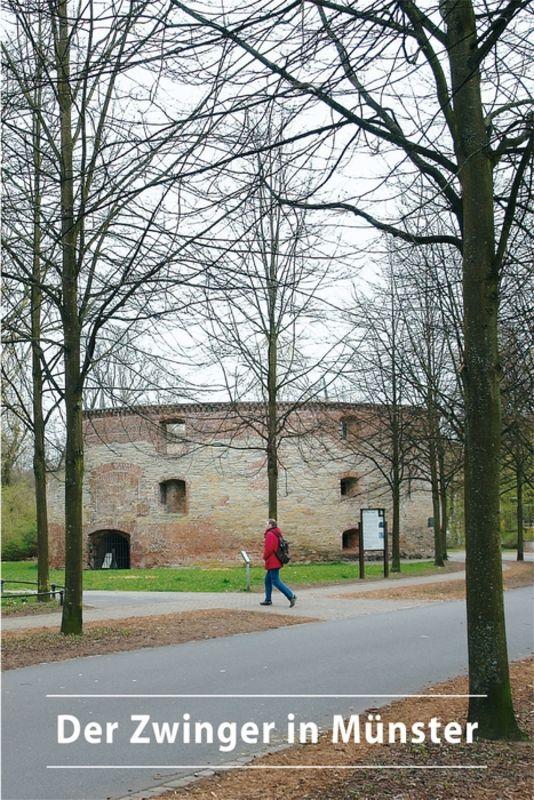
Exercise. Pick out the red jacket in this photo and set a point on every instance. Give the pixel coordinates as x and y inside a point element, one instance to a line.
<point>270,546</point>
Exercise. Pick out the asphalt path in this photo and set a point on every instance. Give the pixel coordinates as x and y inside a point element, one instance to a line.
<point>398,652</point>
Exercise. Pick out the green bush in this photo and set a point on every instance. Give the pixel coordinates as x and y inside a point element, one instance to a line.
<point>19,525</point>
<point>509,539</point>
<point>23,547</point>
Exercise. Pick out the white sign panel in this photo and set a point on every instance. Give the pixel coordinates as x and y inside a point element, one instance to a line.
<point>373,523</point>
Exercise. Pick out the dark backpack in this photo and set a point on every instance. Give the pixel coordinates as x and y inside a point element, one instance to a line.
<point>282,552</point>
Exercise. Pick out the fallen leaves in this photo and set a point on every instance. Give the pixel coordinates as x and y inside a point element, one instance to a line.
<point>507,776</point>
<point>23,648</point>
<point>515,576</point>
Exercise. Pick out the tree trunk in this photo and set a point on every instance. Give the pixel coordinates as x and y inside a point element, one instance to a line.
<point>272,425</point>
<point>433,433</point>
<point>443,502</point>
<point>272,362</point>
<point>39,452</point>
<point>72,608</point>
<point>457,533</point>
<point>396,477</point>
<point>488,657</point>
<point>39,472</point>
<point>434,484</point>
<point>519,513</point>
<point>395,532</point>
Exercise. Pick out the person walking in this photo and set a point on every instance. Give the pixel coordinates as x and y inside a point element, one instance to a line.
<point>273,565</point>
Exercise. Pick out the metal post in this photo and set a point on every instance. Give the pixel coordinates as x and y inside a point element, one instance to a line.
<point>361,551</point>
<point>2,587</point>
<point>53,590</point>
<point>386,555</point>
<point>246,558</point>
<point>61,596</point>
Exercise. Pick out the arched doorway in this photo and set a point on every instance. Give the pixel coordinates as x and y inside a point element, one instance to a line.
<point>350,540</point>
<point>109,550</point>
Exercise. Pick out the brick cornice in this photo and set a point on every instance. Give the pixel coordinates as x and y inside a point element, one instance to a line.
<point>181,409</point>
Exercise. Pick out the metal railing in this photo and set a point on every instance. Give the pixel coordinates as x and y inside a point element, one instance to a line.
<point>56,591</point>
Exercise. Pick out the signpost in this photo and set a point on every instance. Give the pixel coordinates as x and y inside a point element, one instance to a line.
<point>373,536</point>
<point>246,558</point>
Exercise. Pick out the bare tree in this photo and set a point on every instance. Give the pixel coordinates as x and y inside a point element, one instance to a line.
<point>518,416</point>
<point>14,440</point>
<point>378,377</point>
<point>263,315</point>
<point>107,243</point>
<point>405,82</point>
<point>430,366</point>
<point>24,173</point>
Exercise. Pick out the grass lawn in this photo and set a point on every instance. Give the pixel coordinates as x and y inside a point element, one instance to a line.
<point>209,579</point>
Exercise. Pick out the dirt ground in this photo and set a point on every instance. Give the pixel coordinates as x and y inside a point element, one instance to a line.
<point>515,575</point>
<point>30,609</point>
<point>507,777</point>
<point>38,645</point>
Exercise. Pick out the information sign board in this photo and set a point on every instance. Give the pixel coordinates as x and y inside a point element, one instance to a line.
<point>373,523</point>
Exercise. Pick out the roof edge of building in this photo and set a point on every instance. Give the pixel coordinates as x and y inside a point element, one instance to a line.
<point>184,408</point>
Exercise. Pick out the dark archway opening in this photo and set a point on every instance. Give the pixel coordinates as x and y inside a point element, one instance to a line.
<point>109,550</point>
<point>350,539</point>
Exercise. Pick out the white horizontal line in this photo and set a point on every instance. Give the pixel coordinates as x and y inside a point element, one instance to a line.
<point>217,767</point>
<point>259,696</point>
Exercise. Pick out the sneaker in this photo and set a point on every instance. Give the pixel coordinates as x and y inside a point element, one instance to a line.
<point>293,601</point>
<point>266,603</point>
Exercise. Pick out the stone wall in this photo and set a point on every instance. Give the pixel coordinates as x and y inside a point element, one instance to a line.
<point>222,464</point>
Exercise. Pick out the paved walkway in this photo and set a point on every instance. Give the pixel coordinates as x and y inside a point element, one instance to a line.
<point>382,654</point>
<point>324,602</point>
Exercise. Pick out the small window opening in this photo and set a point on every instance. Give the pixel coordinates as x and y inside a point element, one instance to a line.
<point>350,539</point>
<point>343,429</point>
<point>173,496</point>
<point>348,487</point>
<point>174,428</point>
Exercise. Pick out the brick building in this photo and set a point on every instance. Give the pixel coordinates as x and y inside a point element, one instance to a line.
<point>170,485</point>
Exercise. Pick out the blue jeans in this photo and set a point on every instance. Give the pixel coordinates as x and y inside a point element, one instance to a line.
<point>272,578</point>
